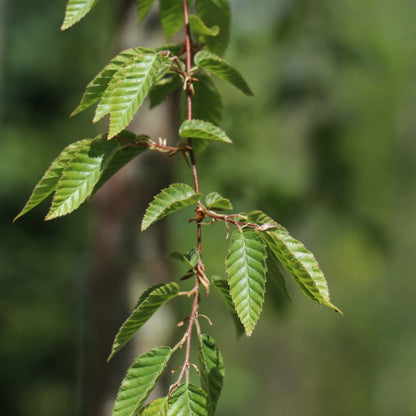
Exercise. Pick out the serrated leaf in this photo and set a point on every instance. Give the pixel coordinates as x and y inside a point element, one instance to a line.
<point>216,201</point>
<point>171,16</point>
<point>131,87</point>
<point>140,380</point>
<point>75,11</point>
<point>191,258</point>
<point>97,87</point>
<point>204,130</point>
<point>169,200</point>
<point>222,69</point>
<point>224,289</point>
<point>246,268</point>
<point>216,12</point>
<point>150,301</point>
<point>298,261</point>
<point>144,7</point>
<point>155,408</point>
<point>162,89</point>
<point>206,103</point>
<point>212,370</point>
<point>188,400</point>
<point>51,177</point>
<point>80,176</point>
<point>274,273</point>
<point>198,27</point>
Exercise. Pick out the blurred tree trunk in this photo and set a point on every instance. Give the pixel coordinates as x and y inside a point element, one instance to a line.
<point>120,254</point>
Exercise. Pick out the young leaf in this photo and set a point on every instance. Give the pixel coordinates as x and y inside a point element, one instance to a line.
<point>297,260</point>
<point>246,268</point>
<point>198,27</point>
<point>206,103</point>
<point>188,400</point>
<point>51,177</point>
<point>216,201</point>
<point>204,130</point>
<point>155,408</point>
<point>171,16</point>
<point>132,85</point>
<point>144,8</point>
<point>80,176</point>
<point>191,258</point>
<point>169,200</point>
<point>274,273</point>
<point>75,11</point>
<point>222,69</point>
<point>163,89</point>
<point>216,12</point>
<point>140,380</point>
<point>224,289</point>
<point>212,370</point>
<point>148,304</point>
<point>97,87</point>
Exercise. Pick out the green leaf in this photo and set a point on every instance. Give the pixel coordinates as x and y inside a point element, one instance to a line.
<point>75,11</point>
<point>224,289</point>
<point>188,400</point>
<point>97,87</point>
<point>212,370</point>
<point>50,179</point>
<point>204,130</point>
<point>216,12</point>
<point>80,176</point>
<point>155,408</point>
<point>171,16</point>
<point>206,103</point>
<point>163,89</point>
<point>191,258</point>
<point>198,27</point>
<point>150,301</point>
<point>298,261</point>
<point>144,8</point>
<point>222,69</point>
<point>131,87</point>
<point>246,268</point>
<point>140,380</point>
<point>169,200</point>
<point>216,201</point>
<point>274,273</point>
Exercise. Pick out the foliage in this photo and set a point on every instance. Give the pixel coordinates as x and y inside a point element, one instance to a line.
<point>258,244</point>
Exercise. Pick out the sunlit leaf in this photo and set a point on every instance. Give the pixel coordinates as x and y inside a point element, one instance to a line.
<point>299,262</point>
<point>198,27</point>
<point>140,380</point>
<point>188,400</point>
<point>97,87</point>
<point>150,301</point>
<point>204,130</point>
<point>169,200</point>
<point>246,268</point>
<point>75,11</point>
<point>224,289</point>
<point>51,177</point>
<point>144,8</point>
<point>216,201</point>
<point>132,85</point>
<point>216,13</point>
<point>222,69</point>
<point>155,408</point>
<point>212,370</point>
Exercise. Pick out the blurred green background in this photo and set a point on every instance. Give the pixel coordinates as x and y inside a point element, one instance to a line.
<point>326,147</point>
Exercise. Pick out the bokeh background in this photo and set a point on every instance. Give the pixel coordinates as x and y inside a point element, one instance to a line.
<point>326,147</point>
